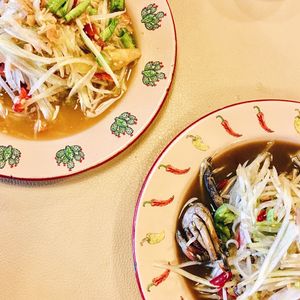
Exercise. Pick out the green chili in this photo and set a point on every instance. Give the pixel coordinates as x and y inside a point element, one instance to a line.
<point>127,39</point>
<point>78,10</point>
<point>107,33</point>
<point>117,5</point>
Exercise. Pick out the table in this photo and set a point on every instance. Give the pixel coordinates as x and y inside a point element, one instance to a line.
<point>72,239</point>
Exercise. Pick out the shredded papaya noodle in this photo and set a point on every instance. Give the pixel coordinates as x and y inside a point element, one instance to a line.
<point>55,52</point>
<point>262,249</point>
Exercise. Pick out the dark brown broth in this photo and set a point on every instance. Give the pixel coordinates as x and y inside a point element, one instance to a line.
<point>230,159</point>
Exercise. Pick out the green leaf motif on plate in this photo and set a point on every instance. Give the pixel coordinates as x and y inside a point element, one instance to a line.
<point>122,124</point>
<point>151,18</point>
<point>152,74</point>
<point>69,155</point>
<point>9,155</point>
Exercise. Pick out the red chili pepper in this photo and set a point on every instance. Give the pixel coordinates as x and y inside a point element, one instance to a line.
<point>220,293</point>
<point>2,69</point>
<point>18,107</point>
<point>262,216</point>
<point>100,43</point>
<point>159,203</point>
<point>24,94</point>
<point>222,184</point>
<point>261,119</point>
<point>90,29</point>
<point>103,76</point>
<point>173,170</point>
<point>228,129</point>
<point>158,280</point>
<point>221,279</point>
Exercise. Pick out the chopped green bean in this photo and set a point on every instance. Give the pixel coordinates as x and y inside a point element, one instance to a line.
<point>60,12</point>
<point>127,39</point>
<point>91,11</point>
<point>55,5</point>
<point>107,33</point>
<point>66,8</point>
<point>117,5</point>
<point>78,10</point>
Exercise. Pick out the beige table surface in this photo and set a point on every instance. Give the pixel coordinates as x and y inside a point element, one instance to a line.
<point>72,240</point>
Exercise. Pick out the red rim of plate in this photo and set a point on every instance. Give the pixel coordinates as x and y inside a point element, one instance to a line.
<point>125,147</point>
<point>159,157</point>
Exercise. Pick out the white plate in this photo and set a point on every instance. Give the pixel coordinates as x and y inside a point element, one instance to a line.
<point>185,152</point>
<point>36,160</point>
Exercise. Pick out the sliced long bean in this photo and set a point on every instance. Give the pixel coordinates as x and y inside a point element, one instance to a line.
<point>91,11</point>
<point>55,5</point>
<point>77,11</point>
<point>117,5</point>
<point>107,33</point>
<point>66,8</point>
<point>127,39</point>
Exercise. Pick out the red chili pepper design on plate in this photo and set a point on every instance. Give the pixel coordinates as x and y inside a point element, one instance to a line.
<point>261,118</point>
<point>159,203</point>
<point>227,127</point>
<point>158,280</point>
<point>221,279</point>
<point>173,170</point>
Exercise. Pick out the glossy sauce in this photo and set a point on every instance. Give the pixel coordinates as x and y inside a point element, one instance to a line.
<point>230,159</point>
<point>68,122</point>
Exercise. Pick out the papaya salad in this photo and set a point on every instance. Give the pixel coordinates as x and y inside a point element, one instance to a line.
<point>57,53</point>
<point>244,241</point>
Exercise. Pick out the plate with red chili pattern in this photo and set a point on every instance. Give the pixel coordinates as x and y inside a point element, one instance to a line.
<point>80,81</point>
<point>212,220</point>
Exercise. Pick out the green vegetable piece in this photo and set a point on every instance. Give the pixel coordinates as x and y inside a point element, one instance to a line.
<point>224,215</point>
<point>127,39</point>
<point>65,9</point>
<point>55,5</point>
<point>270,215</point>
<point>269,227</point>
<point>223,219</point>
<point>91,11</point>
<point>60,12</point>
<point>117,5</point>
<point>223,232</point>
<point>77,11</point>
<point>107,33</point>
